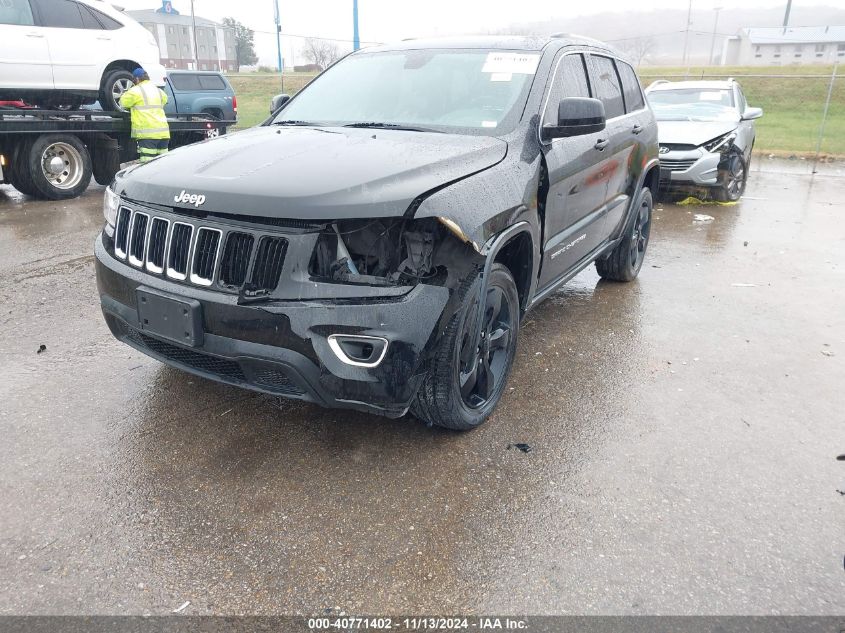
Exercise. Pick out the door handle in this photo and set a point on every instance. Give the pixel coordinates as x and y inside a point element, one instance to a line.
<point>104,37</point>
<point>35,35</point>
<point>637,129</point>
<point>601,144</point>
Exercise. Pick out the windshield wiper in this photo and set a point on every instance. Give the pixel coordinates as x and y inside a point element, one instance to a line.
<point>295,122</point>
<point>390,126</point>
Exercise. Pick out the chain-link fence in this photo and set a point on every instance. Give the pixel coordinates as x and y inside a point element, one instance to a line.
<point>804,106</point>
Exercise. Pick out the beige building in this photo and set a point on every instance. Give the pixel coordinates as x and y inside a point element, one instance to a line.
<point>172,31</point>
<point>779,46</point>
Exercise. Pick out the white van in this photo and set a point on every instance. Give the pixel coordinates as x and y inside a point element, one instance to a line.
<point>70,52</point>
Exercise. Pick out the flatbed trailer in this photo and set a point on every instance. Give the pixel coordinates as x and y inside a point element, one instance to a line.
<point>52,154</point>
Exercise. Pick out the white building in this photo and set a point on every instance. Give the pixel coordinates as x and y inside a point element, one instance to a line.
<point>779,46</point>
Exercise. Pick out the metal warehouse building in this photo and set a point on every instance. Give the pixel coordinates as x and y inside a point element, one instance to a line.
<point>173,33</point>
<point>783,46</point>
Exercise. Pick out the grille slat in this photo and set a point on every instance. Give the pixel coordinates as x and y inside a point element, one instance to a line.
<point>138,238</point>
<point>121,233</point>
<point>157,245</point>
<point>201,255</point>
<point>205,256</point>
<point>268,263</point>
<point>678,165</point>
<point>180,248</point>
<point>235,262</point>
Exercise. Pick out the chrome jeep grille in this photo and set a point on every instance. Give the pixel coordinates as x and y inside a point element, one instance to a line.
<point>194,252</point>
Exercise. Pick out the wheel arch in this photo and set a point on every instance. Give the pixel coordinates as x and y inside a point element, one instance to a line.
<point>517,254</point>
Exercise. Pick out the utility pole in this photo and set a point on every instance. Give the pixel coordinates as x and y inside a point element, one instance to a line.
<point>786,15</point>
<point>280,61</point>
<point>356,40</point>
<point>194,36</point>
<point>713,41</point>
<point>686,33</point>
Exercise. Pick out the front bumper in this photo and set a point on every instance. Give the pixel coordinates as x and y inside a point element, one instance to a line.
<point>696,167</point>
<point>281,347</point>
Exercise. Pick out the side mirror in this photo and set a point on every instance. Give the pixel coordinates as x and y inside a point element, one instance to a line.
<point>577,116</point>
<point>278,101</point>
<point>752,113</point>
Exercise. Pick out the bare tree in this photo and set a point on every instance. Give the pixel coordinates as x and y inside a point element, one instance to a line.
<point>638,48</point>
<point>320,52</point>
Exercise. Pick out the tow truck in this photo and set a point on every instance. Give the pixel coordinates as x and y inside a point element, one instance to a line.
<point>52,154</point>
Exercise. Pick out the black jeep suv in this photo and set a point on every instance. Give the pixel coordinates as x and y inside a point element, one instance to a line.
<point>376,242</point>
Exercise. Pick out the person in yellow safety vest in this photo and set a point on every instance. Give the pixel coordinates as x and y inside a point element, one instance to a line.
<point>145,102</point>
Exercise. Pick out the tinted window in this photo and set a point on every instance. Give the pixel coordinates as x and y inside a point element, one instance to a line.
<point>60,14</point>
<point>16,12</point>
<point>108,23</point>
<point>185,81</point>
<point>89,20</point>
<point>212,82</point>
<point>631,87</point>
<point>606,86</point>
<point>570,81</point>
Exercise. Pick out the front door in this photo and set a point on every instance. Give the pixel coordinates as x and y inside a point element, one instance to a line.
<point>24,55</point>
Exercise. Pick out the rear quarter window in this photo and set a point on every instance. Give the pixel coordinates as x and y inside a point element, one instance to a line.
<point>631,87</point>
<point>212,82</point>
<point>185,81</point>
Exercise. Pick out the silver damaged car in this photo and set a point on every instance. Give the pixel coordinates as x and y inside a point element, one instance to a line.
<point>706,134</point>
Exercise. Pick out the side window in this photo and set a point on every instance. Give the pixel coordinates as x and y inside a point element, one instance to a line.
<point>570,81</point>
<point>631,88</point>
<point>212,82</point>
<point>185,81</point>
<point>606,85</point>
<point>110,24</point>
<point>16,12</point>
<point>62,14</point>
<point>89,20</point>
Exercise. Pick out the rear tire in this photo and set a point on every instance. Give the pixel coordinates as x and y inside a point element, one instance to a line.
<point>19,172</point>
<point>626,259</point>
<point>467,378</point>
<point>57,166</point>
<point>115,83</point>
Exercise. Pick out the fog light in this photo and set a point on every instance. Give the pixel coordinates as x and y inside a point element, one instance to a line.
<point>357,350</point>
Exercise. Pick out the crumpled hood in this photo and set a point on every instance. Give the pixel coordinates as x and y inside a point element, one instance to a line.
<point>692,132</point>
<point>310,174</point>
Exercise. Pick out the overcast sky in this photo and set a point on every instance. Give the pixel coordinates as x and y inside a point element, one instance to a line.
<point>391,20</point>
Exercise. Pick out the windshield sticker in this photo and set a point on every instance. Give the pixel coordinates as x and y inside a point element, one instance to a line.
<point>501,76</point>
<point>488,124</point>
<point>511,63</point>
<point>710,96</point>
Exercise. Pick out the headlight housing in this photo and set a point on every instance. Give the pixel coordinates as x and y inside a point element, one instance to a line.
<point>720,142</point>
<point>111,202</point>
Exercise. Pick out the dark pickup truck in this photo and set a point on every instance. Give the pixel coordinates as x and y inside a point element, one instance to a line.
<point>376,243</point>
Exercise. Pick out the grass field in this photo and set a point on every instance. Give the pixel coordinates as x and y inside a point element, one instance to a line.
<point>793,104</point>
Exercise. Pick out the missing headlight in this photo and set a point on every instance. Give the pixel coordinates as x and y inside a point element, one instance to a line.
<point>720,143</point>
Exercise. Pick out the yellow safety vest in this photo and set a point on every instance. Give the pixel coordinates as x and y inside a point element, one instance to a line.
<point>146,103</point>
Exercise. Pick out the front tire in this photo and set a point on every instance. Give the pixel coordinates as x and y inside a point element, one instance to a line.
<point>115,83</point>
<point>467,377</point>
<point>733,176</point>
<point>626,259</point>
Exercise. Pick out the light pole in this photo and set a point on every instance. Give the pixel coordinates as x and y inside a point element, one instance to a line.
<point>194,36</point>
<point>786,15</point>
<point>356,40</point>
<point>686,33</point>
<point>713,41</point>
<point>279,42</point>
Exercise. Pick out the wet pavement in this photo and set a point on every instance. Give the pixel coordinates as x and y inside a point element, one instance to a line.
<point>683,434</point>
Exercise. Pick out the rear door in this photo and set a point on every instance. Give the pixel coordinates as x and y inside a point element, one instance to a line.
<point>577,186</point>
<point>79,46</point>
<point>605,80</point>
<point>24,55</point>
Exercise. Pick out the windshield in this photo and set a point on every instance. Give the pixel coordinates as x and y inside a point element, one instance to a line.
<point>469,91</point>
<point>693,104</point>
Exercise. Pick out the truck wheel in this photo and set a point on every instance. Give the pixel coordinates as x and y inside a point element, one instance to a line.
<point>58,166</point>
<point>19,172</point>
<point>467,377</point>
<point>115,83</point>
<point>733,175</point>
<point>626,259</point>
